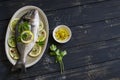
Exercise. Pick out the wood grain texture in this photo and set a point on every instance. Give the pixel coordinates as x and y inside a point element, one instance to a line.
<point>3,0</point>
<point>104,30</point>
<point>86,49</point>
<point>85,14</point>
<point>103,71</point>
<point>86,34</point>
<point>79,56</point>
<point>9,7</point>
<point>93,51</point>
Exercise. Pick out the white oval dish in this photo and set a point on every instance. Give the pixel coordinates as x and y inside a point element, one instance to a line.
<point>29,60</point>
<point>62,26</point>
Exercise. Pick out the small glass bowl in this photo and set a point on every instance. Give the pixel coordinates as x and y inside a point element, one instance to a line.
<point>65,28</point>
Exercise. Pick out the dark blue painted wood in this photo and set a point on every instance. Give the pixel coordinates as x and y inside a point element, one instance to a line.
<point>78,56</point>
<point>93,51</point>
<point>8,8</point>
<point>104,71</point>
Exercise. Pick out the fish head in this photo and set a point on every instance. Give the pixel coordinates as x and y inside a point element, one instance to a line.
<point>31,16</point>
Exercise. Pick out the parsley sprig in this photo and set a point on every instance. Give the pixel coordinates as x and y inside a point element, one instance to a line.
<point>41,43</point>
<point>23,27</point>
<point>58,55</point>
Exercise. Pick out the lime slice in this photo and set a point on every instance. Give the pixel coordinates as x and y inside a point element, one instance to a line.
<point>14,54</point>
<point>41,25</point>
<point>11,41</point>
<point>35,51</point>
<point>27,36</point>
<point>13,24</point>
<point>41,36</point>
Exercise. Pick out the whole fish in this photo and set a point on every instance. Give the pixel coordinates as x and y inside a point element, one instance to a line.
<point>32,18</point>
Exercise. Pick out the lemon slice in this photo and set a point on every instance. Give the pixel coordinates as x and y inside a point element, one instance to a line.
<point>11,41</point>
<point>14,54</point>
<point>35,51</point>
<point>13,24</point>
<point>41,35</point>
<point>27,36</point>
<point>41,25</point>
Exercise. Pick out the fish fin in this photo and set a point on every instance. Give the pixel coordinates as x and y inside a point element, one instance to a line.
<point>19,66</point>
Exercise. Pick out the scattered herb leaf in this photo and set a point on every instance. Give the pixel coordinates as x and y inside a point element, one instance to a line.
<point>53,47</point>
<point>52,53</point>
<point>19,39</point>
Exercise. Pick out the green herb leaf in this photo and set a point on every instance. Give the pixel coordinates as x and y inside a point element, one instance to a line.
<point>63,53</point>
<point>53,47</point>
<point>57,52</point>
<point>41,43</point>
<point>59,58</point>
<point>23,26</point>
<point>52,53</point>
<point>19,39</point>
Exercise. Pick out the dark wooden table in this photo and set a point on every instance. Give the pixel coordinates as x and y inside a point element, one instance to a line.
<point>93,51</point>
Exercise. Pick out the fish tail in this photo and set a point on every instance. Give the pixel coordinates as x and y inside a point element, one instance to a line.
<point>19,66</point>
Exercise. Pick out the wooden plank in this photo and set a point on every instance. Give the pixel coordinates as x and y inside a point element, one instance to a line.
<point>83,53</point>
<point>95,32</point>
<point>104,71</point>
<point>3,0</point>
<point>110,29</point>
<point>85,14</point>
<point>86,34</point>
<point>89,33</point>
<point>5,66</point>
<point>9,7</point>
<point>80,55</point>
<point>3,28</point>
<point>77,57</point>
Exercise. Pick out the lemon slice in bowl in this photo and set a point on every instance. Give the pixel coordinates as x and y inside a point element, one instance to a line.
<point>35,51</point>
<point>11,41</point>
<point>14,54</point>
<point>41,35</point>
<point>27,36</point>
<point>41,25</point>
<point>13,24</point>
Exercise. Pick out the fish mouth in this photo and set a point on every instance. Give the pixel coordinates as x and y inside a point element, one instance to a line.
<point>29,15</point>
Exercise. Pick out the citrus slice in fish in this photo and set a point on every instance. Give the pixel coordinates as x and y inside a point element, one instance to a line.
<point>13,24</point>
<point>41,35</point>
<point>41,25</point>
<point>14,54</point>
<point>35,51</point>
<point>27,36</point>
<point>11,41</point>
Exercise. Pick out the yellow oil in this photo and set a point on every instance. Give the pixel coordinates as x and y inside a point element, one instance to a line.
<point>62,34</point>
